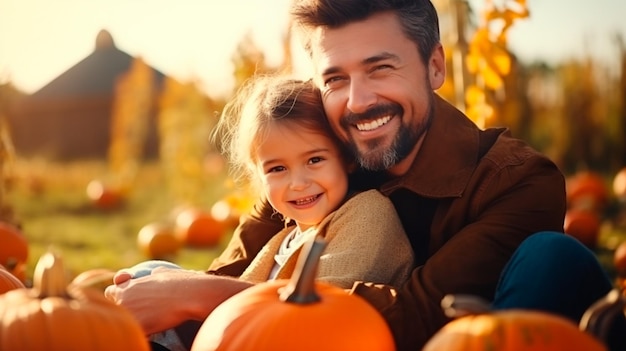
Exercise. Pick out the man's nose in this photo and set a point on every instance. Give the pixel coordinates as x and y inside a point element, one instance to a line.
<point>361,97</point>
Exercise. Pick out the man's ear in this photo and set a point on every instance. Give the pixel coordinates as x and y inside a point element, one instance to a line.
<point>437,67</point>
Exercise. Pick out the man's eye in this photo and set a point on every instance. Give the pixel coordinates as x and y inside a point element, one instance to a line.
<point>332,81</point>
<point>382,67</point>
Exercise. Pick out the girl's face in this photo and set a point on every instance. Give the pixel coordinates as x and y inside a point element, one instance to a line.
<point>302,173</point>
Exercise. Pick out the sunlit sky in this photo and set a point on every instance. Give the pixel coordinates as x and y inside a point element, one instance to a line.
<point>194,39</point>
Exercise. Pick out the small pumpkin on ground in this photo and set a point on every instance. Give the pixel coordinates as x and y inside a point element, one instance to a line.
<point>53,316</point>
<point>583,225</point>
<point>158,240</point>
<point>296,314</point>
<point>198,228</point>
<point>97,278</point>
<point>13,250</point>
<point>587,190</point>
<point>477,328</point>
<point>104,196</point>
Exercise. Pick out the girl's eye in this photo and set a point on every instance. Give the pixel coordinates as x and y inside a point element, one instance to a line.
<point>276,169</point>
<point>315,160</point>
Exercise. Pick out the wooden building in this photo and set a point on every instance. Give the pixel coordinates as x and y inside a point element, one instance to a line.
<point>70,117</point>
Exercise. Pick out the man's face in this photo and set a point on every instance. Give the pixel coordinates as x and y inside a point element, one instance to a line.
<point>377,92</point>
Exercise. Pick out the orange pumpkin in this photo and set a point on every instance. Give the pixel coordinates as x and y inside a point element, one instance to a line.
<point>195,227</point>
<point>223,212</point>
<point>97,278</point>
<point>53,316</point>
<point>584,225</point>
<point>512,330</point>
<point>297,314</point>
<point>8,281</point>
<point>587,190</point>
<point>103,196</point>
<point>158,241</point>
<point>13,250</point>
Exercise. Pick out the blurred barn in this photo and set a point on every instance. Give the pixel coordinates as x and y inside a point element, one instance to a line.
<point>70,117</point>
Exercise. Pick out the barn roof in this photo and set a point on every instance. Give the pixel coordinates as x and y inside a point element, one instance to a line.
<point>95,75</point>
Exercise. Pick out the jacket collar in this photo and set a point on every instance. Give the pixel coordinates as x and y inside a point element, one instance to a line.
<point>447,158</point>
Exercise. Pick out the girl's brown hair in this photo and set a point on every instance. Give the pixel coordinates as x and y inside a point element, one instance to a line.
<point>259,103</point>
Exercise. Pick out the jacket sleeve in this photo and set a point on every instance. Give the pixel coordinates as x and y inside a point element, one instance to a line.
<point>366,242</point>
<point>254,230</point>
<point>514,202</point>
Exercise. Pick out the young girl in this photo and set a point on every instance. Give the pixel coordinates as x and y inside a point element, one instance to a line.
<point>276,136</point>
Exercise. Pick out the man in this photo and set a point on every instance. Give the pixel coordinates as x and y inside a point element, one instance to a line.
<point>467,198</point>
<point>470,200</point>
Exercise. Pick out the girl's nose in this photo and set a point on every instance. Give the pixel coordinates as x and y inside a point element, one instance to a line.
<point>299,180</point>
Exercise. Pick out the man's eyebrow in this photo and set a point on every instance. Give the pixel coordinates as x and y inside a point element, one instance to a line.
<point>381,57</point>
<point>368,61</point>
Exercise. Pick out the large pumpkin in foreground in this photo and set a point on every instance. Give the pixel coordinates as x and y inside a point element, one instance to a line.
<point>53,316</point>
<point>298,314</point>
<point>512,330</point>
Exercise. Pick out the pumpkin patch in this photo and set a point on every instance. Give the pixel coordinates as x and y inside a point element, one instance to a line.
<point>52,316</point>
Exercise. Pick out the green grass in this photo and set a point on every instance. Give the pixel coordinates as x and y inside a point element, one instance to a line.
<point>49,201</point>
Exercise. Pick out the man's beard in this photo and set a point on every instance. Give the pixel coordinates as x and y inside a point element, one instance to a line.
<point>376,157</point>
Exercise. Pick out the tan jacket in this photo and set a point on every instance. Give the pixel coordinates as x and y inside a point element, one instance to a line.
<point>469,199</point>
<point>365,242</point>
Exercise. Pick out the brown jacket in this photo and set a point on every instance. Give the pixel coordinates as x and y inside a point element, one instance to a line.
<point>365,241</point>
<point>469,199</point>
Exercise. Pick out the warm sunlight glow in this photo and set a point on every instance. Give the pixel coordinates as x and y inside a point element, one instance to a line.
<point>194,39</point>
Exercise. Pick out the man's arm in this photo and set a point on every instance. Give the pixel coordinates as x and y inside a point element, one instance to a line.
<point>168,297</point>
<point>515,202</point>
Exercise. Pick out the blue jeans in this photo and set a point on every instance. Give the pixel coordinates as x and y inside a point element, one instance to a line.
<point>554,272</point>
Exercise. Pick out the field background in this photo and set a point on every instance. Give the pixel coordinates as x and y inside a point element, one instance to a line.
<point>50,203</point>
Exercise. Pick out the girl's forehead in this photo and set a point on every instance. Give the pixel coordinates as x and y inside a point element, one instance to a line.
<point>289,138</point>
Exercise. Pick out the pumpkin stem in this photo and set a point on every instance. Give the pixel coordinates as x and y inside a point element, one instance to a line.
<point>459,305</point>
<point>301,286</point>
<point>49,276</point>
<point>598,318</point>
